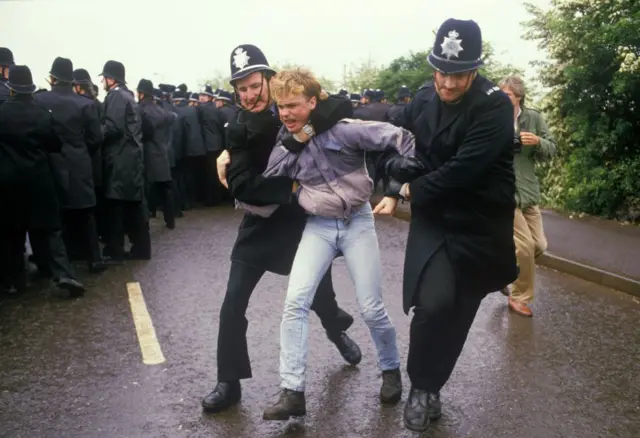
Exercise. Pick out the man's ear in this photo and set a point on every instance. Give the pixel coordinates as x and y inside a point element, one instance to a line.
<point>313,102</point>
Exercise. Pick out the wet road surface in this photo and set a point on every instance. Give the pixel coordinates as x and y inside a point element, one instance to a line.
<point>74,368</point>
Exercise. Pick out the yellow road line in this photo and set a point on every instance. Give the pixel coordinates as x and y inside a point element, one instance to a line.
<point>149,346</point>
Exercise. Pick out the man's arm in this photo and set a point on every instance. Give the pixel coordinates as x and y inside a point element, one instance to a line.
<point>113,119</point>
<point>548,146</point>
<point>245,183</point>
<point>481,148</point>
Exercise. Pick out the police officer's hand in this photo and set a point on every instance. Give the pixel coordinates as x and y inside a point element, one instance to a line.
<point>386,207</point>
<point>404,169</point>
<point>529,138</point>
<point>221,163</point>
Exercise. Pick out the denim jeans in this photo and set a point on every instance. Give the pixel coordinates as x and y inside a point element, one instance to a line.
<point>321,240</point>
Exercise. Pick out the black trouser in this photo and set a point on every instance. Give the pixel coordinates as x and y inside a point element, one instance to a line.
<point>126,216</point>
<point>80,234</point>
<point>50,253</point>
<point>441,321</point>
<point>196,179</point>
<point>161,194</point>
<point>233,356</point>
<point>99,213</point>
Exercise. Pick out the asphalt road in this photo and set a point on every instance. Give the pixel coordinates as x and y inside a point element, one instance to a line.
<point>75,368</point>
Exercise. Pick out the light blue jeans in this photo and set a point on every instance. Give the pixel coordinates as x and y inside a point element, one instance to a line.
<point>321,240</point>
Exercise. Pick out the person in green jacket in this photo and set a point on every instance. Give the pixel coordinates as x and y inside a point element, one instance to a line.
<point>537,144</point>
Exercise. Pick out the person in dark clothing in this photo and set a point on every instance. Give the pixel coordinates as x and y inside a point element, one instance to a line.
<point>174,148</point>
<point>123,168</point>
<point>156,122</point>
<point>189,134</point>
<point>460,245</point>
<point>224,102</point>
<point>6,61</point>
<point>403,98</point>
<point>212,134</point>
<point>83,86</point>
<point>27,193</point>
<point>377,111</point>
<point>72,166</point>
<point>263,244</point>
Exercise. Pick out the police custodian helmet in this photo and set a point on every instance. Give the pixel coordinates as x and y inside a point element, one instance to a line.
<point>247,59</point>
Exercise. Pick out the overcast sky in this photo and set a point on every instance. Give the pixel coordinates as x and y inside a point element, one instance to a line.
<point>190,40</point>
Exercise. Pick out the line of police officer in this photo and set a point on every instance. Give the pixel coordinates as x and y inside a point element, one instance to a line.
<point>101,169</point>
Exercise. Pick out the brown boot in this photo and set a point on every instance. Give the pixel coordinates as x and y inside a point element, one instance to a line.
<point>290,404</point>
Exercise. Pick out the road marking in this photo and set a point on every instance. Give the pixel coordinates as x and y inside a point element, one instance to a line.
<point>149,345</point>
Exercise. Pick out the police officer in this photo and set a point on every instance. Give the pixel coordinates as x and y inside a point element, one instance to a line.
<point>193,149</point>
<point>460,245</point>
<point>212,125</point>
<point>123,167</point>
<point>194,99</point>
<point>263,244</point>
<point>6,61</point>
<point>175,148</point>
<point>355,100</point>
<point>402,99</point>
<point>27,191</point>
<point>377,111</point>
<point>156,122</point>
<point>224,102</point>
<point>73,167</point>
<point>84,86</point>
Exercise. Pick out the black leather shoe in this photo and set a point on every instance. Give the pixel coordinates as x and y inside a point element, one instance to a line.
<point>422,407</point>
<point>224,395</point>
<point>343,321</point>
<point>347,347</point>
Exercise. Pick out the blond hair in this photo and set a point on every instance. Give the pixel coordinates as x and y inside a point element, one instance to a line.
<point>296,81</point>
<point>516,84</point>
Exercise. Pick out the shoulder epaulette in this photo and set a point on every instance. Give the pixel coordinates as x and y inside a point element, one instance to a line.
<point>425,85</point>
<point>492,90</point>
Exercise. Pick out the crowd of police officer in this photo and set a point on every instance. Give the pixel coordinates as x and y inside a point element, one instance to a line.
<point>75,172</point>
<point>110,165</point>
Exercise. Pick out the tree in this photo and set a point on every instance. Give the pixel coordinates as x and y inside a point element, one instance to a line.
<point>594,78</point>
<point>358,77</point>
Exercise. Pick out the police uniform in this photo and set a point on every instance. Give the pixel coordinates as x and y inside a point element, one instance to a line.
<point>156,123</point>
<point>124,188</point>
<point>73,167</point>
<point>460,245</point>
<point>397,108</point>
<point>27,191</point>
<point>6,61</point>
<point>212,132</point>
